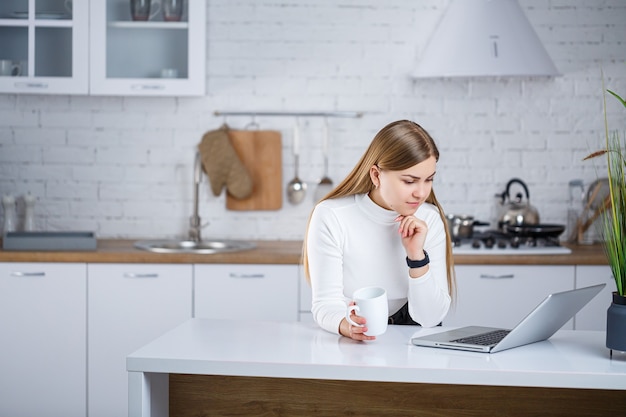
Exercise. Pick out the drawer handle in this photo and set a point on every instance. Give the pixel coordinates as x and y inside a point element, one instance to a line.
<point>505,276</point>
<point>134,275</point>
<point>31,85</point>
<point>28,274</point>
<point>148,87</point>
<point>246,276</point>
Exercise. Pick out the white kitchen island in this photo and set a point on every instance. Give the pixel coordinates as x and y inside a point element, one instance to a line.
<point>222,367</point>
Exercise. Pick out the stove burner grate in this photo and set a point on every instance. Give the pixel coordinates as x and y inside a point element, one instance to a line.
<point>495,239</point>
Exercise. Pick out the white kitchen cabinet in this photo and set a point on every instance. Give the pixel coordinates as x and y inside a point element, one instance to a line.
<point>502,295</point>
<point>246,292</point>
<point>593,315</point>
<point>304,308</point>
<point>42,348</point>
<point>130,57</point>
<point>94,47</point>
<point>48,41</point>
<point>129,305</point>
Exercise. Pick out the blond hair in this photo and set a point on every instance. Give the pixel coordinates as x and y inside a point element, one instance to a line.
<point>398,146</point>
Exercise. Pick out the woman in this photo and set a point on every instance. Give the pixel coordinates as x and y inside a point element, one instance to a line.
<point>383,226</point>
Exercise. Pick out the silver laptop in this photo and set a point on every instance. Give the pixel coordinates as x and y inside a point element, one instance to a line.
<point>548,317</point>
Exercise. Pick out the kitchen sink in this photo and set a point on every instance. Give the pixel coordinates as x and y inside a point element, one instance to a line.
<point>190,246</point>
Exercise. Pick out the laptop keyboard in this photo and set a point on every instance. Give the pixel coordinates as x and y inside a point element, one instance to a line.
<point>484,339</point>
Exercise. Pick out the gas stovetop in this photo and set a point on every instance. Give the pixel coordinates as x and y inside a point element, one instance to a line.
<point>493,242</point>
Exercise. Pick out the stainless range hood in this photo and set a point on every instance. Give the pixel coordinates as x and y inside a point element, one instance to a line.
<point>484,38</point>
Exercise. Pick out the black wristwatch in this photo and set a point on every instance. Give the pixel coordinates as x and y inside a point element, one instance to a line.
<point>418,264</point>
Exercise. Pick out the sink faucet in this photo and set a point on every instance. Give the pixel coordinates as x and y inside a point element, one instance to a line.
<point>195,224</point>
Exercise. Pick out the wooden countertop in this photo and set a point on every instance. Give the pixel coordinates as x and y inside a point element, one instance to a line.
<point>275,252</point>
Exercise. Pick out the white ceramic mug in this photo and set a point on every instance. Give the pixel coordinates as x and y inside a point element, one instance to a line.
<point>371,303</point>
<point>144,9</point>
<point>9,69</point>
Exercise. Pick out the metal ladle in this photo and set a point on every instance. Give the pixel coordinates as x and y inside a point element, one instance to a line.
<point>296,188</point>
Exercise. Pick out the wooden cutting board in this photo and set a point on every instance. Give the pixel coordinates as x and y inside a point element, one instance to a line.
<point>261,152</point>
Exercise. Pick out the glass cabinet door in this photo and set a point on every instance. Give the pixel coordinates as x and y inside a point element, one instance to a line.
<point>155,54</point>
<point>43,46</point>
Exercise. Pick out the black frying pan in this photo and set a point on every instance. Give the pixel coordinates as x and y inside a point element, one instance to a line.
<point>535,230</point>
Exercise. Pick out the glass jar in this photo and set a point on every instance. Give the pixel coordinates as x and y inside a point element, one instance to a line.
<point>574,209</point>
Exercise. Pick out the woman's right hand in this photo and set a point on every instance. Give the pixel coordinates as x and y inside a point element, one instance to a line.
<point>354,332</point>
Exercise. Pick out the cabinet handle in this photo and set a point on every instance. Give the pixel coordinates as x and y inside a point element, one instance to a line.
<point>505,276</point>
<point>134,275</point>
<point>147,87</point>
<point>246,276</point>
<point>28,274</point>
<point>31,85</point>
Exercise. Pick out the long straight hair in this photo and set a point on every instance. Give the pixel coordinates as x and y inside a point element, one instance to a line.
<point>398,146</point>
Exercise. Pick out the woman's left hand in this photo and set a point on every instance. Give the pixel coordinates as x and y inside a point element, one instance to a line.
<point>413,232</point>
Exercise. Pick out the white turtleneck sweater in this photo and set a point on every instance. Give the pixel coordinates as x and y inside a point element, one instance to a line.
<point>353,243</point>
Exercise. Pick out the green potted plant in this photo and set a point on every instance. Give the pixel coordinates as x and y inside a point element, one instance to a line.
<point>614,230</point>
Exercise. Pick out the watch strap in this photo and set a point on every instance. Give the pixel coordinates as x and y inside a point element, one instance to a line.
<point>418,264</point>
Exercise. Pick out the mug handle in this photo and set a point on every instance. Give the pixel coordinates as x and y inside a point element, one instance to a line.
<point>155,6</point>
<point>352,308</point>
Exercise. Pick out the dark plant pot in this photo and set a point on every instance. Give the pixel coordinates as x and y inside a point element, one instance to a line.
<point>616,324</point>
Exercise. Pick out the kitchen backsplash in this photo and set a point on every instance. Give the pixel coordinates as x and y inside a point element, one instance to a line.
<point>122,167</point>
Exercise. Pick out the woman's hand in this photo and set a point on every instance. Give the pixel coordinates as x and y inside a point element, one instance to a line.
<point>413,232</point>
<point>354,332</point>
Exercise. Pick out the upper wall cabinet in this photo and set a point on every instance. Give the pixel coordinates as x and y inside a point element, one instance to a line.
<point>161,55</point>
<point>96,47</point>
<point>44,46</point>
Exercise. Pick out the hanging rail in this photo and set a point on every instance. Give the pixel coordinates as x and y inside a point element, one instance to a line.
<point>351,114</point>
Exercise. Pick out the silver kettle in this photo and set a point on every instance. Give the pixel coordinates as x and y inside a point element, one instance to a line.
<point>516,211</point>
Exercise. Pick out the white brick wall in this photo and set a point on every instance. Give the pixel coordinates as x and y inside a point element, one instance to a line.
<point>122,166</point>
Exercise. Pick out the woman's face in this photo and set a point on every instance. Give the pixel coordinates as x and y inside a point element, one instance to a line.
<point>403,191</point>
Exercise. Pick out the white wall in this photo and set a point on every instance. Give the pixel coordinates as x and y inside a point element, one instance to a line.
<point>122,166</point>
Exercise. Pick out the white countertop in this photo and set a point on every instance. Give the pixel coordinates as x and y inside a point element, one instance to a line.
<point>570,359</point>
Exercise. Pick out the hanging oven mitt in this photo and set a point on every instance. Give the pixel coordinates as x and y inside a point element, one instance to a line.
<point>223,166</point>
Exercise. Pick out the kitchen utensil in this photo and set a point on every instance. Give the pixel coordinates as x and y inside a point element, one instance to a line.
<point>325,185</point>
<point>296,188</point>
<point>584,226</point>
<point>584,235</point>
<point>462,226</point>
<point>10,215</point>
<point>47,15</point>
<point>534,230</point>
<point>9,69</point>
<point>144,9</point>
<point>172,10</point>
<point>50,241</point>
<point>597,192</point>
<point>574,208</point>
<point>29,212</point>
<point>519,211</point>
<point>260,151</point>
<point>169,73</point>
